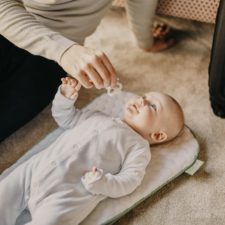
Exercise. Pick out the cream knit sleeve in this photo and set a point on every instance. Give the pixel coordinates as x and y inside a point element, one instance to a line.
<point>140,16</point>
<point>21,28</point>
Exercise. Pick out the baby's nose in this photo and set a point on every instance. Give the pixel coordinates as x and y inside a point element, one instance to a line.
<point>139,102</point>
<point>143,101</point>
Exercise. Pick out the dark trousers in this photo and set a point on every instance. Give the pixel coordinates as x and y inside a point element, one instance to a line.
<point>217,64</point>
<point>28,83</point>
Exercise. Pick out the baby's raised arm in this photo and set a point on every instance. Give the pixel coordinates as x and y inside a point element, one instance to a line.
<point>63,110</point>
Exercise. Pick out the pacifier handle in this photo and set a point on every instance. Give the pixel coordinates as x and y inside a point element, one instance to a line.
<point>117,89</point>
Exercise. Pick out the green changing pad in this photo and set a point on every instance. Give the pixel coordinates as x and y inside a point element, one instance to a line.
<point>168,161</point>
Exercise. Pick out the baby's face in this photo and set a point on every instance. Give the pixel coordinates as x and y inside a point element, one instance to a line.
<point>153,112</point>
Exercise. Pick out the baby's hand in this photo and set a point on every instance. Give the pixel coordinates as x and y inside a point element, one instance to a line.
<point>70,88</point>
<point>91,175</point>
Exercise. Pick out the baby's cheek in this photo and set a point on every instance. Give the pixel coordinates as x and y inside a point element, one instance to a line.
<point>148,117</point>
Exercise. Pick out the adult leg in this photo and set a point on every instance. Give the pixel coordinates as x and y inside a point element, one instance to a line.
<point>27,84</point>
<point>14,194</point>
<point>217,65</point>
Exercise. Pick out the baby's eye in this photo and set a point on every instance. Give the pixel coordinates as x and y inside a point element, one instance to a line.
<point>153,106</point>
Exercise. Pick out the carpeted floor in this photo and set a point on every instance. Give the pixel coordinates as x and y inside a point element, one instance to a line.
<point>181,72</point>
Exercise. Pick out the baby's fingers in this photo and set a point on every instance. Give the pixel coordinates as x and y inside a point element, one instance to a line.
<point>74,96</point>
<point>63,80</point>
<point>71,81</point>
<point>94,169</point>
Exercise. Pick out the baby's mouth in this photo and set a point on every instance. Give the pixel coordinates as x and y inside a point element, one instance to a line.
<point>133,106</point>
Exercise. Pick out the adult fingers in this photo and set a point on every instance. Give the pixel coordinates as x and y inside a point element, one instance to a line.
<point>102,71</point>
<point>76,61</point>
<point>84,80</point>
<point>105,69</point>
<point>110,68</point>
<point>94,76</point>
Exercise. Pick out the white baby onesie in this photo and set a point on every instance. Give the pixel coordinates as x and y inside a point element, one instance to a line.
<point>54,189</point>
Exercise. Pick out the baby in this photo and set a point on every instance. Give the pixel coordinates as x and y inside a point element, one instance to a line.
<point>95,157</point>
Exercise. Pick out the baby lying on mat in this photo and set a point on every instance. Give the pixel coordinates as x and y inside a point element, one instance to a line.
<point>95,157</point>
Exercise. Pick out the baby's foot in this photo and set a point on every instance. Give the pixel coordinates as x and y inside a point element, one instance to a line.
<point>69,88</point>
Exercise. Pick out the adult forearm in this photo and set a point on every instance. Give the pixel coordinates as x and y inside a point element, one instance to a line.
<point>21,28</point>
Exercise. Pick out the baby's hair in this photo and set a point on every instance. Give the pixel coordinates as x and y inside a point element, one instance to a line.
<point>181,114</point>
<point>178,105</point>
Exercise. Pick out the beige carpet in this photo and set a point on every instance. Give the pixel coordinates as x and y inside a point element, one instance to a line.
<point>181,72</point>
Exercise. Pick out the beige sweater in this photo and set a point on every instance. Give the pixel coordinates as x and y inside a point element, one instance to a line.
<point>49,27</point>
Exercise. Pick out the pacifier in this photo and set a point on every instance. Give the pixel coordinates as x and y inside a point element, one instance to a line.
<point>115,90</point>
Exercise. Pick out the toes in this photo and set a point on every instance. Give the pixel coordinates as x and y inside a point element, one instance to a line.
<point>161,31</point>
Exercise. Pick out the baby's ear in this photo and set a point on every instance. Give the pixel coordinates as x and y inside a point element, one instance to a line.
<point>158,137</point>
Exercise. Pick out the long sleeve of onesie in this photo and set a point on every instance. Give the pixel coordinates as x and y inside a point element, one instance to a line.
<point>64,112</point>
<point>24,30</point>
<point>126,181</point>
<point>140,17</point>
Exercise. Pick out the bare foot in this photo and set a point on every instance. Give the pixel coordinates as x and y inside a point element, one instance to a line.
<point>164,37</point>
<point>69,88</point>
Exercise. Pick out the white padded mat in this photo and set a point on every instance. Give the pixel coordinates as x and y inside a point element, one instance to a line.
<point>168,161</point>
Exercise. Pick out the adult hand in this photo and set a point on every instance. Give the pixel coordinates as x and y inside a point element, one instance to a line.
<point>89,66</point>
